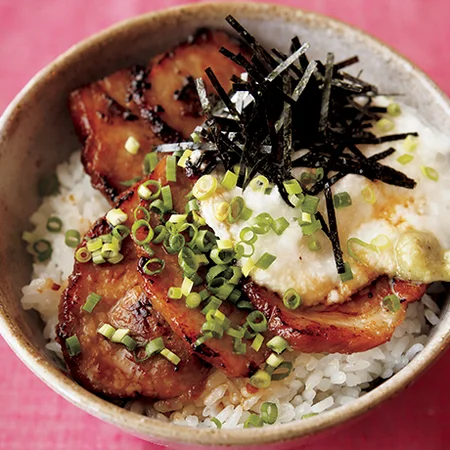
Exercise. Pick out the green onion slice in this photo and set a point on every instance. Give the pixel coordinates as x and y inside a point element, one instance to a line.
<point>216,422</point>
<point>282,371</point>
<point>83,255</point>
<point>72,238</point>
<point>73,345</point>
<point>106,330</point>
<point>54,224</point>
<point>405,159</point>
<point>278,344</point>
<point>257,342</point>
<point>171,169</point>
<point>381,242</point>
<point>265,261</point>
<point>259,183</point>
<point>174,243</point>
<point>279,225</point>
<point>260,380</point>
<point>170,356</point>
<point>193,300</point>
<point>352,242</point>
<point>174,293</point>
<point>368,195</point>
<point>430,173</point>
<point>221,211</point>
<point>91,302</point>
<point>254,421</point>
<point>229,180</point>
<point>292,187</point>
<point>291,299</point>
<point>187,261</point>
<point>257,321</point>
<point>166,195</point>
<point>205,187</point>
<point>392,302</point>
<point>149,190</point>
<point>348,274</point>
<point>310,204</point>
<point>142,232</point>
<point>314,245</point>
<point>342,200</point>
<point>237,206</point>
<point>269,412</point>
<point>153,266</point>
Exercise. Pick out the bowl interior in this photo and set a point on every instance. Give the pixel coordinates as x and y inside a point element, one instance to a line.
<point>37,134</point>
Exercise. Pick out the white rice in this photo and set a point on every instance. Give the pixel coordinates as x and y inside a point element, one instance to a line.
<point>318,382</point>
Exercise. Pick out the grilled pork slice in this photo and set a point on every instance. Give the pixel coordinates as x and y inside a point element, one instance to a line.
<point>154,104</point>
<point>187,322</point>
<point>360,324</point>
<point>108,368</point>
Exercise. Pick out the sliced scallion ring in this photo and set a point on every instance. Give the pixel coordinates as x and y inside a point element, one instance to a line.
<point>205,187</point>
<point>291,299</point>
<point>269,412</point>
<point>73,346</point>
<point>237,206</point>
<point>54,224</point>
<point>142,232</point>
<point>259,183</point>
<point>257,321</point>
<point>153,266</point>
<point>352,242</point>
<point>72,238</point>
<point>260,380</point>
<point>83,255</point>
<point>43,249</point>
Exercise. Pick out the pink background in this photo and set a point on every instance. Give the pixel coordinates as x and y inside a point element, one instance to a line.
<point>34,32</point>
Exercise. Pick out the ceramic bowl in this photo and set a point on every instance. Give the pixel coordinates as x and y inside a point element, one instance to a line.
<point>36,134</point>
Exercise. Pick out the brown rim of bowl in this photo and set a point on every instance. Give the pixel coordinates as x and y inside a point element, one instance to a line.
<point>166,431</point>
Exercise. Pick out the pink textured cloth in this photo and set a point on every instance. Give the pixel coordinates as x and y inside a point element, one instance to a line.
<point>32,33</point>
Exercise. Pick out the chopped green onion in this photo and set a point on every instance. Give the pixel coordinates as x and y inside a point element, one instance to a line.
<point>222,256</point>
<point>116,217</point>
<point>150,162</point>
<point>291,299</point>
<point>132,145</point>
<point>296,200</point>
<point>184,158</point>
<point>243,249</point>
<point>214,328</point>
<point>192,205</point>
<point>405,159</point>
<point>384,125</point>
<point>94,244</point>
<point>221,211</point>
<point>310,204</point>
<point>154,346</point>
<point>28,237</point>
<point>410,143</point>
<point>106,238</point>
<point>368,195</point>
<point>265,261</point>
<point>109,251</point>
<point>260,380</point>
<point>54,224</point>
<point>161,233</point>
<point>72,238</point>
<point>149,190</point>
<point>97,257</point>
<point>174,293</point>
<point>120,232</point>
<point>171,169</point>
<point>292,187</point>
<point>355,241</point>
<point>129,342</point>
<point>83,255</point>
<point>392,302</point>
<point>237,205</point>
<point>193,300</point>
<point>139,228</point>
<point>257,342</point>
<point>202,339</point>
<point>233,274</point>
<point>205,187</point>
<point>309,229</point>
<point>158,206</point>
<point>116,259</point>
<point>205,240</point>
<point>244,304</point>
<point>282,371</point>
<point>259,183</point>
<point>248,267</point>
<point>229,180</point>
<point>253,421</point>
<point>106,330</point>
<point>342,200</point>
<point>279,225</point>
<point>73,345</point>
<point>187,261</point>
<point>348,274</point>
<point>166,194</point>
<point>159,263</point>
<point>236,331</point>
<point>246,213</point>
<point>306,218</point>
<point>257,321</point>
<point>278,344</point>
<point>170,356</point>
<point>314,245</point>
<point>269,412</point>
<point>91,302</point>
<point>244,235</point>
<point>214,303</point>
<point>119,334</point>
<point>382,242</point>
<point>307,178</point>
<point>239,347</point>
<point>274,360</point>
<point>394,109</point>
<point>186,286</point>
<point>430,173</point>
<point>178,219</point>
<point>224,244</point>
<point>216,422</point>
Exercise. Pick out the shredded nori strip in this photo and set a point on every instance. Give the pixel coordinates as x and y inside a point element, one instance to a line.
<point>288,104</point>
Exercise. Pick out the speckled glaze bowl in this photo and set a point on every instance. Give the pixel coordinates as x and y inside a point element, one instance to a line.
<point>36,134</point>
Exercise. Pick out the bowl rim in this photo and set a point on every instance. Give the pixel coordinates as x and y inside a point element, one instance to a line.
<point>169,432</point>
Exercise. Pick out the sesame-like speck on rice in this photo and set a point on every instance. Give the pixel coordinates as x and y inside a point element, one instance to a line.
<point>317,383</point>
